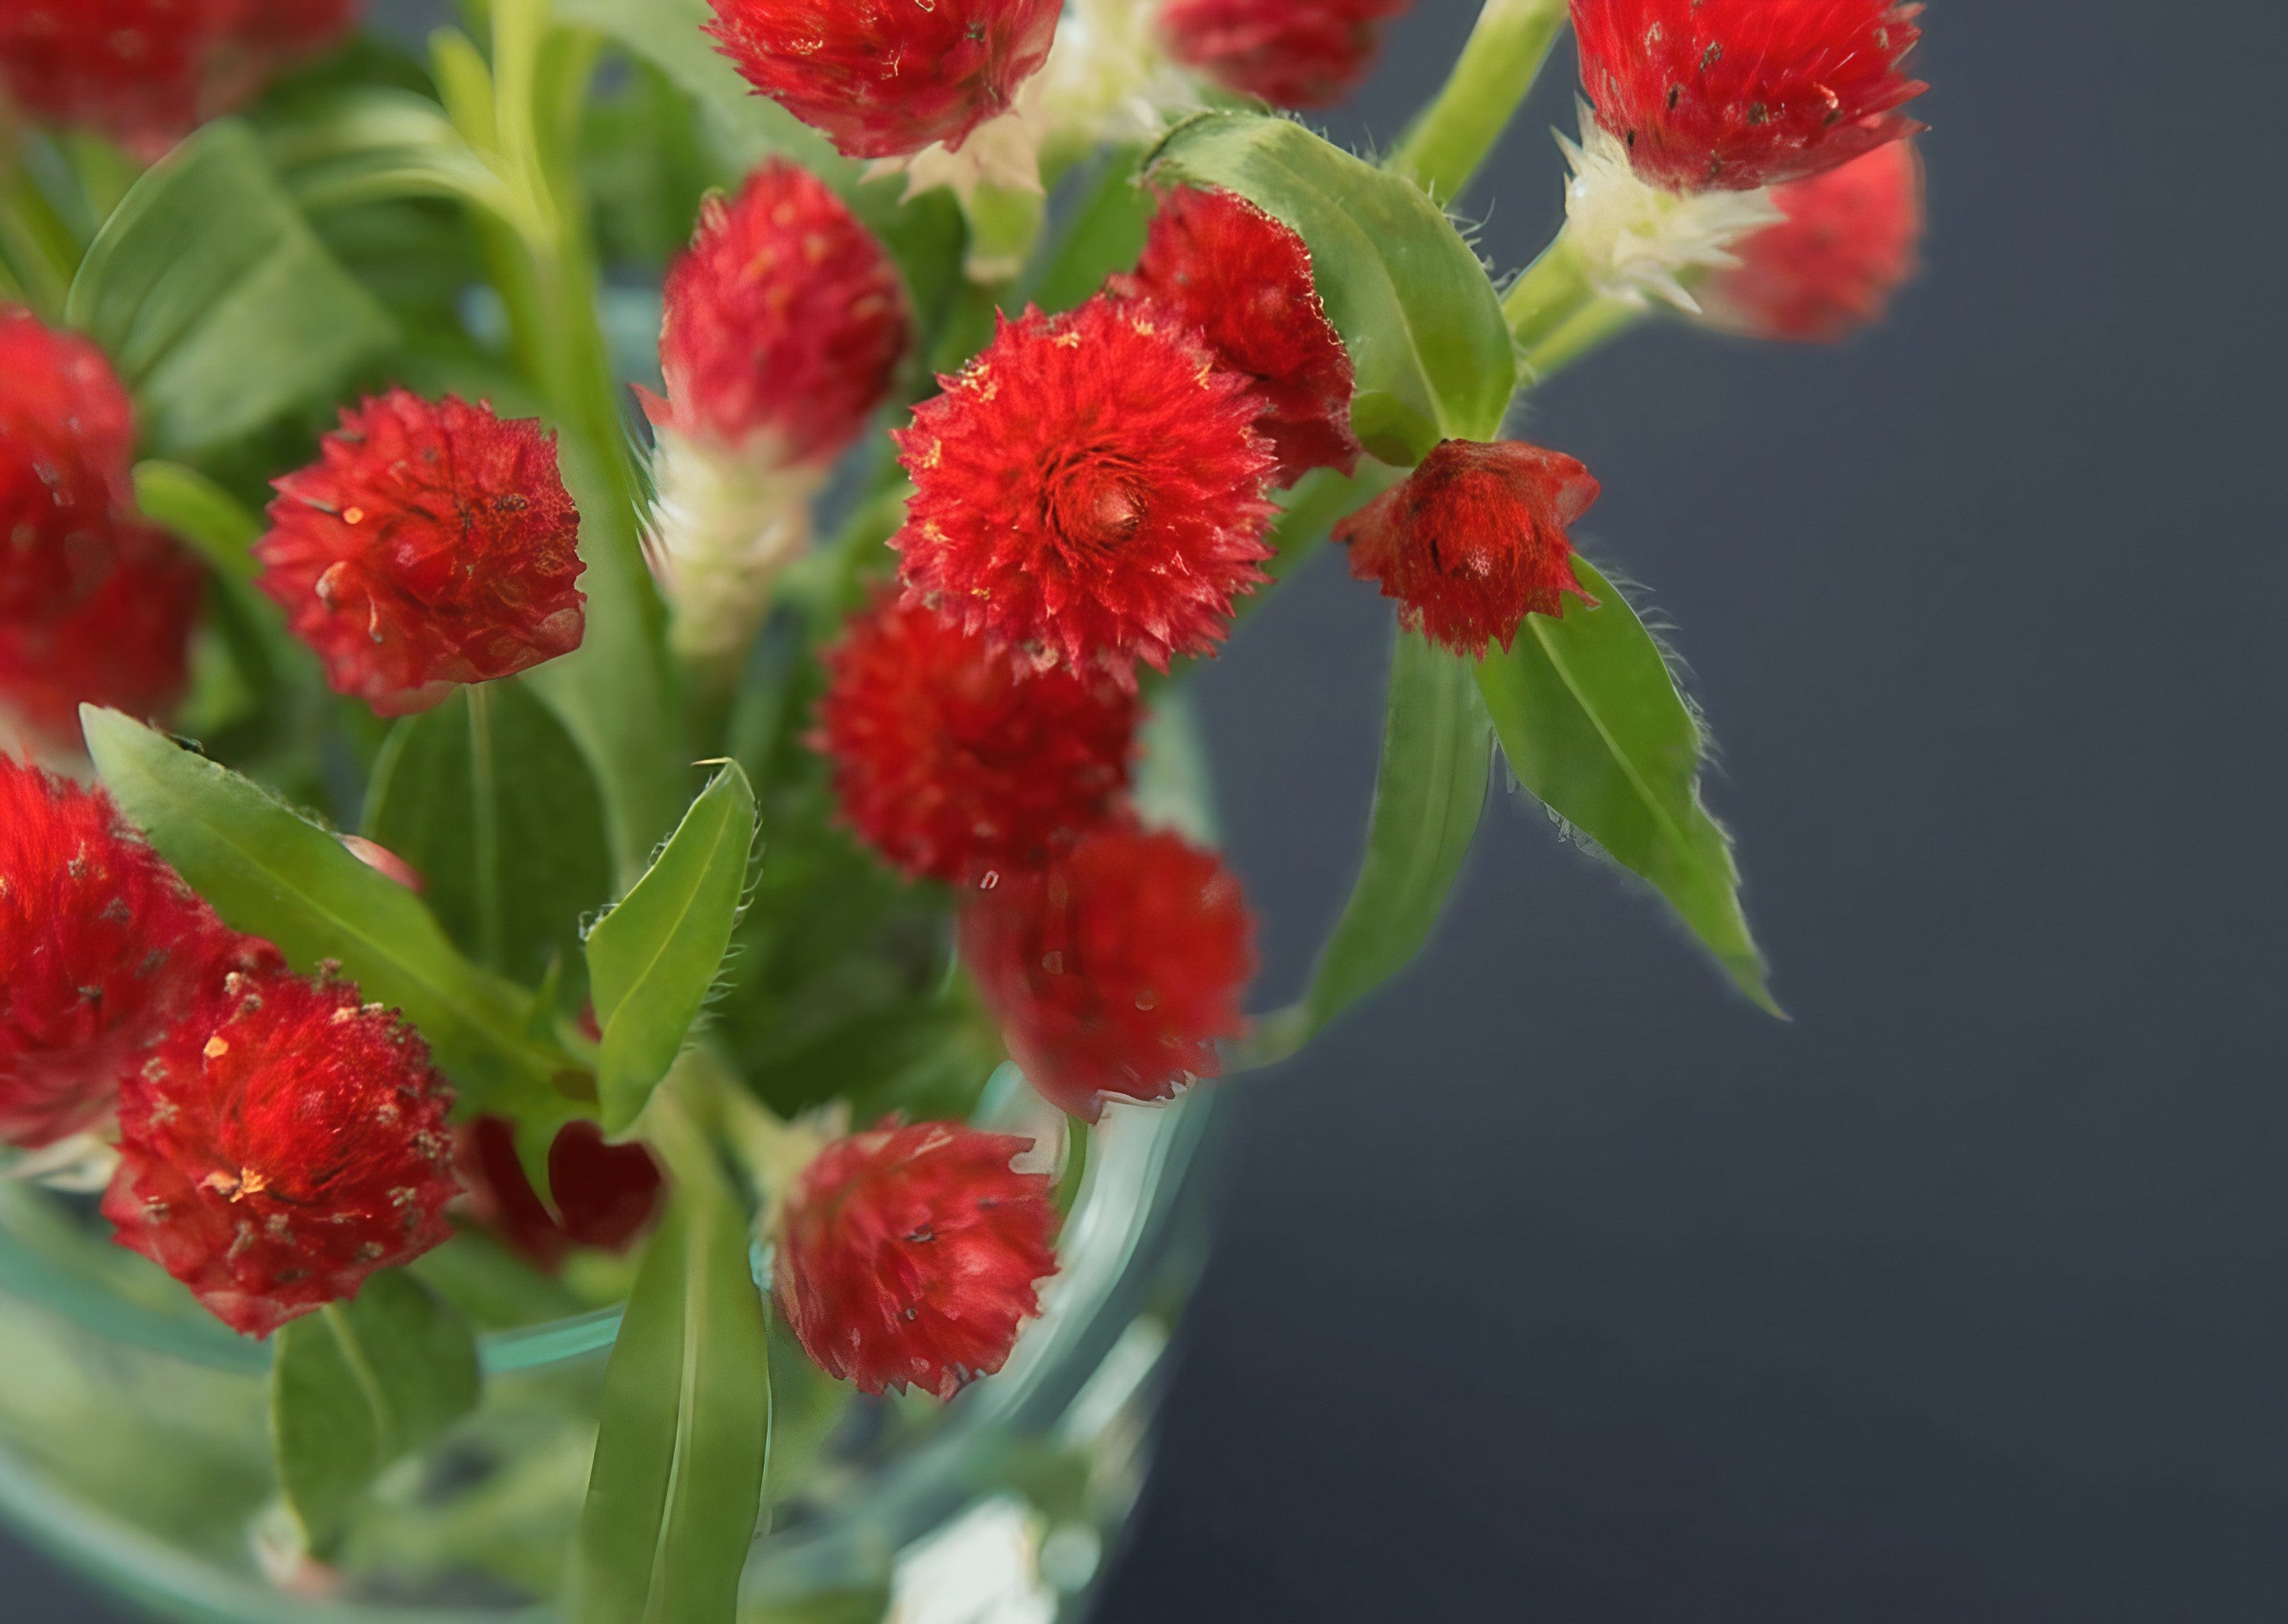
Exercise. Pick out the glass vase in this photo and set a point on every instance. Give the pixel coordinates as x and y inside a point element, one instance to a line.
<point>134,1439</point>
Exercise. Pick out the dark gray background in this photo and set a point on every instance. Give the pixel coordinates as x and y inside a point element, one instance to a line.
<point>1559,1285</point>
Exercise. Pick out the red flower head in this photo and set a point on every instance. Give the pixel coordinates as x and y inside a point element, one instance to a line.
<point>1088,490</point>
<point>102,951</point>
<point>948,759</point>
<point>907,1256</point>
<point>1847,245</point>
<point>1244,280</point>
<point>1292,53</point>
<point>883,81</point>
<point>1116,969</point>
<point>785,322</point>
<point>1474,540</point>
<point>67,437</point>
<point>145,71</point>
<point>605,1193</point>
<point>432,543</point>
<point>127,645</point>
<point>274,1155</point>
<point>1736,94</point>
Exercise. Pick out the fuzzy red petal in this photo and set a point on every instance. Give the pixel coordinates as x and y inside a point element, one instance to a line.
<point>909,1255</point>
<point>276,1153</point>
<point>127,645</point>
<point>1089,491</point>
<point>1292,53</point>
<point>145,71</point>
<point>785,322</point>
<point>1243,280</point>
<point>605,1194</point>
<point>104,948</point>
<point>1846,246</point>
<point>948,760</point>
<point>885,80</point>
<point>433,543</point>
<point>66,438</point>
<point>1116,968</point>
<point>1474,540</point>
<point>1736,94</point>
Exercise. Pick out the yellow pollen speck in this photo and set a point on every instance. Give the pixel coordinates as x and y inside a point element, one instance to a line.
<point>216,1048</point>
<point>1070,340</point>
<point>353,516</point>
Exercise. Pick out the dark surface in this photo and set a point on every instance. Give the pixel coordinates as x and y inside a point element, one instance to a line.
<point>1559,1285</point>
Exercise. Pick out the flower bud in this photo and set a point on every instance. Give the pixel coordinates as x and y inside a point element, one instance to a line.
<point>1116,969</point>
<point>1847,245</point>
<point>276,1152</point>
<point>103,951</point>
<point>1242,280</point>
<point>1089,491</point>
<point>432,544</point>
<point>1474,540</point>
<point>883,81</point>
<point>605,1194</point>
<point>785,323</point>
<point>1733,95</point>
<point>126,645</point>
<point>948,760</point>
<point>908,1255</point>
<point>67,438</point>
<point>1292,53</point>
<point>144,71</point>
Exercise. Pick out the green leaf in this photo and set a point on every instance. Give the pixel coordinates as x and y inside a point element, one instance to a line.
<point>496,809</point>
<point>652,960</point>
<point>272,873</point>
<point>221,306</point>
<point>1421,321</point>
<point>378,142</point>
<point>360,1384</point>
<point>1437,754</point>
<point>193,507</point>
<point>1594,725</point>
<point>677,1486</point>
<point>1106,235</point>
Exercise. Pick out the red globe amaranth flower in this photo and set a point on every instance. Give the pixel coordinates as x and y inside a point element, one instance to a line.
<point>275,1154</point>
<point>885,80</point>
<point>433,543</point>
<point>1846,246</point>
<point>103,950</point>
<point>908,1255</point>
<point>605,1194</point>
<point>785,322</point>
<point>126,645</point>
<point>1116,969</point>
<point>948,760</point>
<point>1292,53</point>
<point>1244,280</point>
<point>1088,490</point>
<point>145,71</point>
<point>1474,540</point>
<point>1736,94</point>
<point>67,440</point>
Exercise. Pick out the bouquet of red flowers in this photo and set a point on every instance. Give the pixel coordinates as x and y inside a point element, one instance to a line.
<point>592,639</point>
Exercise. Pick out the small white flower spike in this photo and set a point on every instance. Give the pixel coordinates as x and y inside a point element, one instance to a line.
<point>1638,242</point>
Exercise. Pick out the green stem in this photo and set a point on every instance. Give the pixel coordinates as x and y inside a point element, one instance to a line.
<point>1550,292</point>
<point>1586,329</point>
<point>38,246</point>
<point>1496,68</point>
<point>487,833</point>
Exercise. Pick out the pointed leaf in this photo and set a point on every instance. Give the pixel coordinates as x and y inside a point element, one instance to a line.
<point>652,960</point>
<point>360,1384</point>
<point>1437,754</point>
<point>502,822</point>
<point>272,873</point>
<point>221,307</point>
<point>1594,725</point>
<point>677,1486</point>
<point>1421,319</point>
